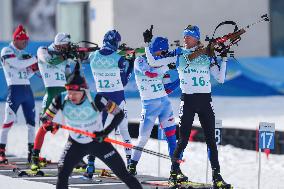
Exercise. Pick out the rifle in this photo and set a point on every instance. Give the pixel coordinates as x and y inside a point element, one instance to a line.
<point>176,43</point>
<point>128,51</point>
<point>219,44</point>
<point>75,51</point>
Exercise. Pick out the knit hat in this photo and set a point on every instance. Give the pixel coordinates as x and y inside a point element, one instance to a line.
<point>75,81</point>
<point>20,33</point>
<point>159,44</point>
<point>62,39</point>
<point>111,40</point>
<point>192,31</point>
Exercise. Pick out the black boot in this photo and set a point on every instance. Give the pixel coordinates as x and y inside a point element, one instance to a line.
<point>132,167</point>
<point>90,169</point>
<point>35,160</point>
<point>176,176</point>
<point>218,182</point>
<point>81,165</point>
<point>128,161</point>
<point>30,152</point>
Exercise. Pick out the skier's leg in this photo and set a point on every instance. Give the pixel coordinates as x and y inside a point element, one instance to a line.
<point>186,114</point>
<point>51,92</point>
<point>123,129</point>
<point>207,120</point>
<point>72,154</point>
<point>149,114</point>
<point>10,118</point>
<point>29,113</point>
<point>28,107</point>
<point>108,154</point>
<point>13,102</point>
<point>167,122</point>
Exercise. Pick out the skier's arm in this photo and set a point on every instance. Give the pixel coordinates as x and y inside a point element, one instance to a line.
<point>52,110</point>
<point>125,70</point>
<point>219,72</point>
<point>44,56</point>
<point>143,67</point>
<point>169,85</point>
<point>9,57</point>
<point>159,60</point>
<point>110,107</point>
<point>47,125</point>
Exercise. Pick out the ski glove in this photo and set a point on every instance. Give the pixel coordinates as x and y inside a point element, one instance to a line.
<point>26,56</point>
<point>224,53</point>
<point>172,66</point>
<point>148,35</point>
<point>100,136</point>
<point>50,126</point>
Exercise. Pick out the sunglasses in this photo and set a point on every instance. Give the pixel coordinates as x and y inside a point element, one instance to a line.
<point>73,87</point>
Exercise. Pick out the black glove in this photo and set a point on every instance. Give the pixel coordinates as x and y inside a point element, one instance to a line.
<point>148,35</point>
<point>172,66</point>
<point>224,52</point>
<point>131,58</point>
<point>100,136</point>
<point>26,56</point>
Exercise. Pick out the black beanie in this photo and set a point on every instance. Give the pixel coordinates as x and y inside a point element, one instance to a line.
<point>76,79</point>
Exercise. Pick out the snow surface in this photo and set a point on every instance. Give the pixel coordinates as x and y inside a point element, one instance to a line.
<point>238,166</point>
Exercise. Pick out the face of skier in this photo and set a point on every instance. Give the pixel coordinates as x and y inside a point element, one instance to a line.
<point>75,96</point>
<point>159,53</point>
<point>190,42</point>
<point>62,48</point>
<point>20,44</point>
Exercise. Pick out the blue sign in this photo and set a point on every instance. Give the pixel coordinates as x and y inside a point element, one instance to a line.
<point>266,135</point>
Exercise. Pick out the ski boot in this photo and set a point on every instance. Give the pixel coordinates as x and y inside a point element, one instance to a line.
<point>30,152</point>
<point>177,177</point>
<point>3,159</point>
<point>128,161</point>
<point>35,161</point>
<point>81,165</point>
<point>132,167</point>
<point>43,161</point>
<point>90,169</point>
<point>219,183</point>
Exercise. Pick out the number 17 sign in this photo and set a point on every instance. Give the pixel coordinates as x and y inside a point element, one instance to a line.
<point>266,135</point>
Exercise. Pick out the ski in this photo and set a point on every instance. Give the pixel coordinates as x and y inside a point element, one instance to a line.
<point>94,180</point>
<point>28,173</point>
<point>182,185</point>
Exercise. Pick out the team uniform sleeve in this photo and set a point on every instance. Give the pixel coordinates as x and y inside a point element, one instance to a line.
<point>45,57</point>
<point>53,108</point>
<point>125,72</point>
<point>219,72</point>
<point>170,85</point>
<point>9,57</point>
<point>104,104</point>
<point>141,65</point>
<point>159,61</point>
